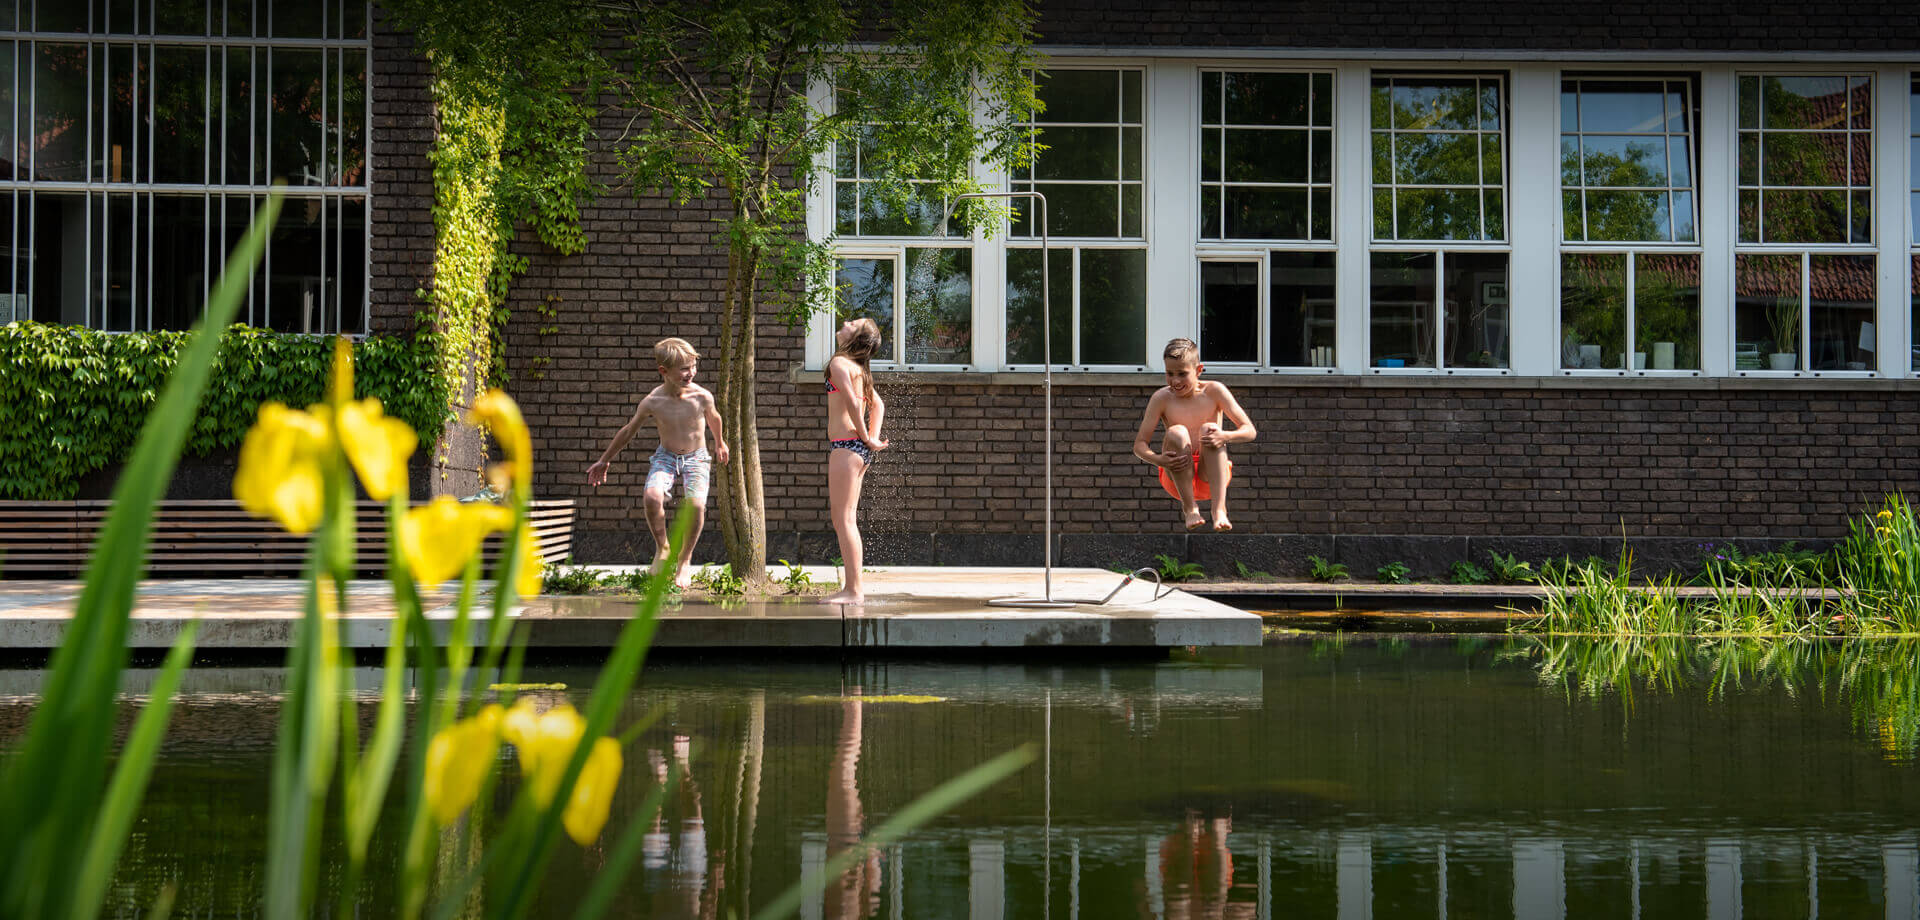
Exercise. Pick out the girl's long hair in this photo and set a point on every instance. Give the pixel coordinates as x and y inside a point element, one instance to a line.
<point>860,347</point>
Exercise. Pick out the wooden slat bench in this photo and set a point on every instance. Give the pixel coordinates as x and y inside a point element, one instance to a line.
<point>216,539</point>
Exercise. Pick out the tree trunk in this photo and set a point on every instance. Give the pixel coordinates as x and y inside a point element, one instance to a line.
<point>742,502</point>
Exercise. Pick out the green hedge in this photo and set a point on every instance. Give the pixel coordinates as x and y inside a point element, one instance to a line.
<point>73,399</point>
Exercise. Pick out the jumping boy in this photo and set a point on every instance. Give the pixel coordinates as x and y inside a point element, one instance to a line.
<point>1193,454</point>
<point>683,411</point>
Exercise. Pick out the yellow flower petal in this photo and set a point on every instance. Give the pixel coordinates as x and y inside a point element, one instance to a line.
<point>341,387</point>
<point>496,410</point>
<point>592,798</point>
<point>544,742</point>
<point>458,759</point>
<point>1885,515</point>
<point>282,466</point>
<point>438,539</point>
<point>532,567</point>
<point>378,446</point>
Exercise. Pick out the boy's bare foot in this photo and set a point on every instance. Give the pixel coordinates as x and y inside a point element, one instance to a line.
<point>844,597</point>
<point>1221,524</point>
<point>1195,520</point>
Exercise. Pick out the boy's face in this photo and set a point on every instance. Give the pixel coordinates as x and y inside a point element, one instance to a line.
<point>1183,374</point>
<point>678,377</point>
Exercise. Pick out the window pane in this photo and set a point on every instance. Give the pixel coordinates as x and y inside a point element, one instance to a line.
<point>58,256</point>
<point>1683,217</point>
<point>1300,303</point>
<point>179,121</point>
<point>1383,215</point>
<point>1627,216</point>
<point>298,133</point>
<point>939,306</point>
<point>1429,103</point>
<point>846,207</point>
<point>1266,99</point>
<point>1130,100</point>
<point>1079,95</point>
<point>9,143</point>
<point>1477,316</point>
<point>864,287</point>
<point>918,214</point>
<point>180,17</point>
<point>1130,150</point>
<point>295,301</point>
<point>1230,312</point>
<point>1210,212</point>
<point>1805,158</point>
<point>1496,212</point>
<point>1802,216</point>
<point>244,135</point>
<point>1210,141</point>
<point>114,293</point>
<point>1323,99</point>
<point>1749,102</point>
<point>1130,210</point>
<point>1320,214</point>
<point>1621,106</point>
<point>1802,101</point>
<point>61,111</point>
<point>1113,306</point>
<point>1572,216</point>
<point>351,275</point>
<point>1266,156</point>
<point>58,15</point>
<point>1766,311</point>
<point>1382,158</point>
<point>180,266</point>
<point>1439,214</point>
<point>1437,159</point>
<point>1266,213</point>
<point>125,81</point>
<point>1749,158</point>
<point>1210,90</point>
<point>1625,161</point>
<point>1666,310</point>
<point>1078,153</point>
<point>1082,210</point>
<point>1401,327</point>
<point>1913,297</point>
<point>1593,309</point>
<point>296,18</point>
<point>348,164</point>
<point>1024,333</point>
<point>1840,310</point>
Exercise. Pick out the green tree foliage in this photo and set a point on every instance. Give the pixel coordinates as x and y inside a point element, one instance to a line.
<point>719,96</point>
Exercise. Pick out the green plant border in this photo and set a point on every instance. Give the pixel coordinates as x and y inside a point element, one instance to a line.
<point>72,399</point>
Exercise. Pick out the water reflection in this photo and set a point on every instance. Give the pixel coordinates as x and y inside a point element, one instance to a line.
<point>1397,777</point>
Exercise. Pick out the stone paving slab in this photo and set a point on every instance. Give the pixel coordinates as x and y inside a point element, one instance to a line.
<point>907,607</point>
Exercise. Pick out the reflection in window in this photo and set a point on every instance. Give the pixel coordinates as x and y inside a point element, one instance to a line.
<point>1627,159</point>
<point>1438,165</point>
<point>1099,306</point>
<point>107,141</point>
<point>860,206</point>
<point>1090,171</point>
<point>1439,310</point>
<point>1300,304</point>
<point>1266,155</point>
<point>1806,159</point>
<point>1803,311</point>
<point>864,288</point>
<point>922,302</point>
<point>1637,310</point>
<point>1230,312</point>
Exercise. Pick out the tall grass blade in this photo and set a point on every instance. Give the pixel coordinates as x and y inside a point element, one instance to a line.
<point>613,872</point>
<point>50,793</point>
<point>129,783</point>
<point>918,812</point>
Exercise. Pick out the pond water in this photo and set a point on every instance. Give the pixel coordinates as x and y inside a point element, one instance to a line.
<point>1367,777</point>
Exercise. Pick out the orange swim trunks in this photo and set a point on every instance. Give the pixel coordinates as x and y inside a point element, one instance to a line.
<point>1201,491</point>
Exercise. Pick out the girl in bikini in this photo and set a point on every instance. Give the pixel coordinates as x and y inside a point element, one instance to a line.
<point>854,414</point>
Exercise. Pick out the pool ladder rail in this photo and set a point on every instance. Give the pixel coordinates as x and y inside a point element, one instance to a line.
<point>1160,590</point>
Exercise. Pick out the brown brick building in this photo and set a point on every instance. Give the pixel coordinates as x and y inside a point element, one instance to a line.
<point>1485,275</point>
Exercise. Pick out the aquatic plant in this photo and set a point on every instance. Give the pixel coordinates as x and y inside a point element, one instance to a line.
<point>1465,572</point>
<point>67,816</point>
<point>1590,597</point>
<point>1326,571</point>
<point>1879,569</point>
<point>1509,570</point>
<point>1394,573</point>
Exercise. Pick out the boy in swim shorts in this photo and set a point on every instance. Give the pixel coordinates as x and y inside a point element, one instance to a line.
<point>1192,459</point>
<point>682,411</point>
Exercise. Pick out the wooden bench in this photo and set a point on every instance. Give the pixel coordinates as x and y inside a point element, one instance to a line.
<point>216,539</point>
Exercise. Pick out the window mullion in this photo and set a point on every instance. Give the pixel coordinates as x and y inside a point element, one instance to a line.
<point>1531,196</point>
<point>1719,230</point>
<point>1893,311</point>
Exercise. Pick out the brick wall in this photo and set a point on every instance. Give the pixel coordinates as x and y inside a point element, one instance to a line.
<point>1444,460</point>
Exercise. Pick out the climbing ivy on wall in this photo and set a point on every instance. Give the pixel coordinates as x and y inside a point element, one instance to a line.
<point>72,399</point>
<point>514,88</point>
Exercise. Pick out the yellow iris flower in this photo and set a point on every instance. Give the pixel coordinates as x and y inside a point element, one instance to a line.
<point>531,565</point>
<point>282,472</point>
<point>1885,515</point>
<point>378,445</point>
<point>496,410</point>
<point>458,759</point>
<point>545,741</point>
<point>438,539</point>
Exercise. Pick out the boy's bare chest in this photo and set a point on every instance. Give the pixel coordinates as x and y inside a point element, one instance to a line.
<point>1192,411</point>
<point>679,411</point>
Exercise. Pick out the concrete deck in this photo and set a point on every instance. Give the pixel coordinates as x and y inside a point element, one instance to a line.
<point>907,608</point>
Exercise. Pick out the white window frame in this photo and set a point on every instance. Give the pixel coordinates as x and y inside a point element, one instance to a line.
<point>898,255</point>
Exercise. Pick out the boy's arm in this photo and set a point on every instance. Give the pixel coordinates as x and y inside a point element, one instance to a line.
<point>597,473</point>
<point>713,424</point>
<point>1242,431</point>
<point>1142,439</point>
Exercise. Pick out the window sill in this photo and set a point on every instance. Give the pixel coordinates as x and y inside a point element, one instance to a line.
<point>1835,382</point>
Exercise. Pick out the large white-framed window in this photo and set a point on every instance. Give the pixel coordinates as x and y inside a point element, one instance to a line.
<point>901,264</point>
<point>1630,260</point>
<point>1266,252</point>
<point>141,138</point>
<point>1804,259</point>
<point>1093,174</point>
<point>1438,263</point>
